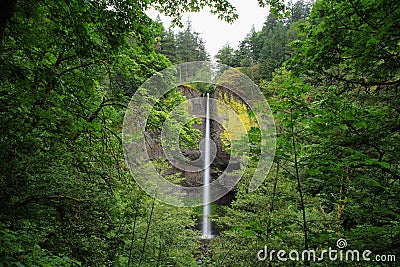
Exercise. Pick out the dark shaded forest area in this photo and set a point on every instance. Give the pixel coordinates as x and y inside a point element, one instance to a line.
<point>329,69</point>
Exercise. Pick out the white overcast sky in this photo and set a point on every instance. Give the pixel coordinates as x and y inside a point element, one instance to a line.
<point>216,33</point>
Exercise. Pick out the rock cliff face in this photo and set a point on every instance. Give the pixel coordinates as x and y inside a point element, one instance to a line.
<point>222,158</point>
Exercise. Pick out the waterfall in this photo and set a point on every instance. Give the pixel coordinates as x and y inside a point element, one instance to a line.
<point>206,229</point>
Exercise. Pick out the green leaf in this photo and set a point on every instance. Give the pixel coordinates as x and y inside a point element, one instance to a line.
<point>361,124</point>
<point>384,164</point>
<point>248,233</point>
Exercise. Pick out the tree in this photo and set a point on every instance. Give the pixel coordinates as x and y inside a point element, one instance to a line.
<point>260,53</point>
<point>226,55</point>
<point>278,34</point>
<point>337,124</point>
<point>279,214</point>
<point>298,10</point>
<point>348,52</point>
<point>68,70</point>
<point>168,46</point>
<point>249,49</point>
<point>275,46</point>
<point>184,46</point>
<point>190,47</point>
<point>361,36</point>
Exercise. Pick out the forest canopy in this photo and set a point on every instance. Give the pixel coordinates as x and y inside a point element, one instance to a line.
<point>329,70</point>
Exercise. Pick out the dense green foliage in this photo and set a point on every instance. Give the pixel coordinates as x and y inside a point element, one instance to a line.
<point>336,104</point>
<point>331,75</point>
<point>184,46</point>
<point>68,69</point>
<point>260,53</point>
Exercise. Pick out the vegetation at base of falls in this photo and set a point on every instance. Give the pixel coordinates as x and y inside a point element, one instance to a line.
<point>330,73</point>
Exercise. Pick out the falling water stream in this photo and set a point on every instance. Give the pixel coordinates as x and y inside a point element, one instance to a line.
<point>206,229</point>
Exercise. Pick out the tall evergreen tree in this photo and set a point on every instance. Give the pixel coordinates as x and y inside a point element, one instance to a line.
<point>226,55</point>
<point>190,46</point>
<point>275,47</point>
<point>184,46</point>
<point>168,45</point>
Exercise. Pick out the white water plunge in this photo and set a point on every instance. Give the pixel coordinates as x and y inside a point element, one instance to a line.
<point>206,229</point>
